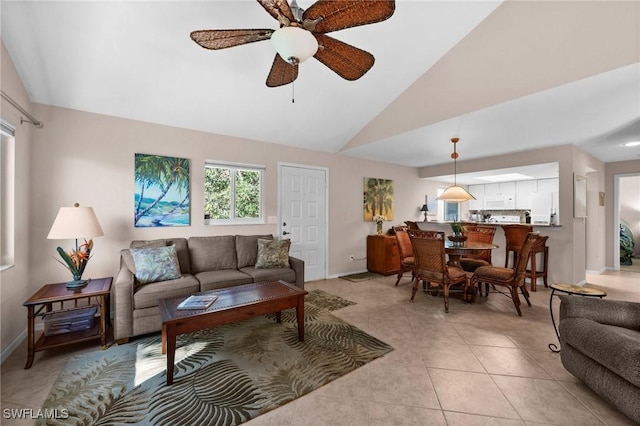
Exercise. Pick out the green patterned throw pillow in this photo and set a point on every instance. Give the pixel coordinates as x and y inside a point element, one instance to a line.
<point>273,254</point>
<point>156,264</point>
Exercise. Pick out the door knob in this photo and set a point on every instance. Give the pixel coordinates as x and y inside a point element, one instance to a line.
<point>284,223</point>
<point>285,233</point>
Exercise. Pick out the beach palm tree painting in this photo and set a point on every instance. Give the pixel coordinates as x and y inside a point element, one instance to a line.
<point>161,191</point>
<point>378,198</point>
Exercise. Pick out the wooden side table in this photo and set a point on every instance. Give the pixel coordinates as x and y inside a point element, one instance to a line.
<point>573,290</point>
<point>382,254</point>
<point>42,302</point>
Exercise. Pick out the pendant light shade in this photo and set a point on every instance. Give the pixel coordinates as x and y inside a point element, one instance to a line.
<point>455,193</point>
<point>294,44</point>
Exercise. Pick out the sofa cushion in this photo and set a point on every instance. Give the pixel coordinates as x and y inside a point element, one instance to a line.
<point>156,264</point>
<point>270,274</point>
<point>247,249</point>
<point>616,348</point>
<point>273,253</point>
<point>148,295</point>
<point>211,280</point>
<point>212,253</point>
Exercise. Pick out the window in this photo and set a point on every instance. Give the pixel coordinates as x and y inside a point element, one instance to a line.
<point>7,195</point>
<point>447,210</point>
<point>233,193</point>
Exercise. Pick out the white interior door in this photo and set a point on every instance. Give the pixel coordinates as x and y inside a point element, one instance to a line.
<point>303,216</point>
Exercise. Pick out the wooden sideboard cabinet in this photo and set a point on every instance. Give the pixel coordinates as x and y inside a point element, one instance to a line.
<point>382,254</point>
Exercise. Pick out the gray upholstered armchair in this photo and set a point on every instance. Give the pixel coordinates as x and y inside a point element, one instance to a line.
<point>601,346</point>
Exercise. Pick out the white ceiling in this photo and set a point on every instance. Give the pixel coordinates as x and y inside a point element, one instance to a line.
<point>134,59</point>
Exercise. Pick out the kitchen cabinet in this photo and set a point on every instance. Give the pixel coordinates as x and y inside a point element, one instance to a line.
<point>382,254</point>
<point>500,196</point>
<point>478,192</point>
<point>524,193</point>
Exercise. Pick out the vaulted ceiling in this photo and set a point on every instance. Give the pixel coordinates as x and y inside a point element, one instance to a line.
<point>503,76</point>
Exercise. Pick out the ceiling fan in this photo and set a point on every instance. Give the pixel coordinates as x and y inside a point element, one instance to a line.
<point>302,34</point>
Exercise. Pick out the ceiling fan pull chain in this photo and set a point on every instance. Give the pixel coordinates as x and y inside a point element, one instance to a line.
<point>293,92</point>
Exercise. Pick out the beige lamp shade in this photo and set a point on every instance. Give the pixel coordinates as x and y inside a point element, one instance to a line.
<point>75,222</point>
<point>456,194</point>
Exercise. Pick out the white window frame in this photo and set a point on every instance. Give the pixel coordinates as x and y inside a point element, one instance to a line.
<point>7,195</point>
<point>260,220</point>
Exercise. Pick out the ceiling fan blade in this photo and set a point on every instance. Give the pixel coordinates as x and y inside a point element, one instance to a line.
<point>345,60</point>
<point>221,39</point>
<point>281,73</point>
<point>279,9</point>
<point>339,14</point>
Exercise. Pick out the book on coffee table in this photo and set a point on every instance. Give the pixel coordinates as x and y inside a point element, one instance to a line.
<point>197,301</point>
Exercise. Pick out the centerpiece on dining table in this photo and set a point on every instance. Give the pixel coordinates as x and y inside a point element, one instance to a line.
<point>457,238</point>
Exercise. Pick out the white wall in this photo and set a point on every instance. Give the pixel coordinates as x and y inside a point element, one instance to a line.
<point>620,168</point>
<point>629,193</point>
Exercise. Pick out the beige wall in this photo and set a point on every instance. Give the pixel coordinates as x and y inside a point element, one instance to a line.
<point>568,255</point>
<point>614,170</point>
<point>15,285</point>
<point>88,158</point>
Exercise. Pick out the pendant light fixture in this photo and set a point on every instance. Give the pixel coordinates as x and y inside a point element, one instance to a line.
<point>455,193</point>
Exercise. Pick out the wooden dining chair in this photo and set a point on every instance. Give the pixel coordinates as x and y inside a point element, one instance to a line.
<point>411,224</point>
<point>514,235</point>
<point>431,266</point>
<point>512,278</point>
<point>478,234</point>
<point>405,251</point>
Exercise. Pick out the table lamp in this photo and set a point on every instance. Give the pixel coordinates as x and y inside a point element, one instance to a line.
<point>424,209</point>
<point>74,223</point>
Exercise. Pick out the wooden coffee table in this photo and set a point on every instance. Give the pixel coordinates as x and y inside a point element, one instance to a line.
<point>233,304</point>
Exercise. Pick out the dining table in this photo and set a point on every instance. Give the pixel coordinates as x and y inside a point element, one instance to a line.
<point>456,250</point>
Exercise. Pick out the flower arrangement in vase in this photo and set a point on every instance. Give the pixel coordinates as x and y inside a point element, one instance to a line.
<point>457,236</point>
<point>379,220</point>
<point>76,261</point>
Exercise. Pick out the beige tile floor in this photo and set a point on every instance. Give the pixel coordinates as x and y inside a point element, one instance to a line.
<point>479,364</point>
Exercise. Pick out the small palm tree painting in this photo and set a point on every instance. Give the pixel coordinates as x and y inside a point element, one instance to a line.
<point>378,198</point>
<point>161,191</point>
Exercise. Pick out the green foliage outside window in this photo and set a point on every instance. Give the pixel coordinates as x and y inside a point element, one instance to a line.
<point>232,193</point>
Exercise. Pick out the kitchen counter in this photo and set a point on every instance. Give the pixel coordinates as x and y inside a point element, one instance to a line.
<point>439,222</point>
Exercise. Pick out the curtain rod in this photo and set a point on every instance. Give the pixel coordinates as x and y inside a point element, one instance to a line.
<point>30,118</point>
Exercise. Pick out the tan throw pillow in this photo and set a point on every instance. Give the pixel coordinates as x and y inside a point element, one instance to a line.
<point>273,253</point>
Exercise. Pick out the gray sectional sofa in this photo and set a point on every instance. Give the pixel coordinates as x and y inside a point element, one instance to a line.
<point>600,341</point>
<point>206,263</point>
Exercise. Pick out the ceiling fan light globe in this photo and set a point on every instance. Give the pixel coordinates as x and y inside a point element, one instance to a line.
<point>293,44</point>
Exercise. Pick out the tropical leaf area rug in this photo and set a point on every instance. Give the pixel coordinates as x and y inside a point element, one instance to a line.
<point>224,375</point>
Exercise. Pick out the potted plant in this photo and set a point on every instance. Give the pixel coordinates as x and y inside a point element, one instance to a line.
<point>457,236</point>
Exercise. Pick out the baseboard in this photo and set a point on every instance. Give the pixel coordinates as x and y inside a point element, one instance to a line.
<point>12,347</point>
<point>598,271</point>
<point>18,340</point>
